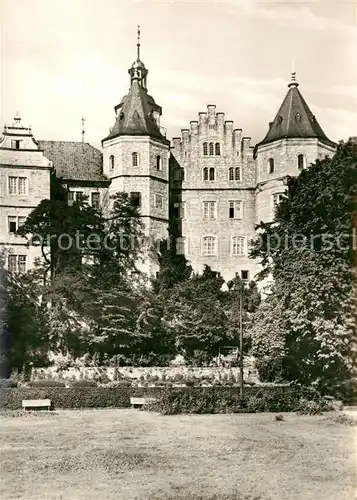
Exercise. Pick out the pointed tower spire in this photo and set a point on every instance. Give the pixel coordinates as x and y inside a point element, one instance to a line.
<point>138,72</point>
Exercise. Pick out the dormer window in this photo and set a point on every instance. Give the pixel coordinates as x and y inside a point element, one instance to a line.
<point>16,144</point>
<point>271,166</point>
<point>135,159</point>
<point>158,163</point>
<point>111,162</point>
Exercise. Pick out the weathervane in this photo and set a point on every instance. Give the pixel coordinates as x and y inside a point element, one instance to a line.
<point>138,44</point>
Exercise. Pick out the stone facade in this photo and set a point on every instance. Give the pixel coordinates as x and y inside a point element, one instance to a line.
<point>24,183</point>
<point>209,191</point>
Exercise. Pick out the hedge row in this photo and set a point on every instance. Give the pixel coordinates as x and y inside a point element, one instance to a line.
<point>74,397</point>
<point>225,400</point>
<point>170,400</point>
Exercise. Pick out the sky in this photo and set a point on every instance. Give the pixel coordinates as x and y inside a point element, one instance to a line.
<point>64,60</point>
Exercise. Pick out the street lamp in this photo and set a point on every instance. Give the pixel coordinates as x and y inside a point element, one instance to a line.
<point>230,285</point>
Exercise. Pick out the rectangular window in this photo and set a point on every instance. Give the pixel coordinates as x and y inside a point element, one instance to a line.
<point>245,275</point>
<point>209,245</point>
<point>235,210</point>
<point>277,197</point>
<point>96,200</point>
<point>22,185</point>
<point>70,197</point>
<point>179,210</point>
<point>159,201</point>
<point>180,246</point>
<point>17,263</point>
<point>21,263</point>
<point>238,245</point>
<point>16,144</point>
<point>12,224</point>
<point>209,210</point>
<point>12,185</point>
<point>135,198</point>
<point>12,263</point>
<point>21,221</point>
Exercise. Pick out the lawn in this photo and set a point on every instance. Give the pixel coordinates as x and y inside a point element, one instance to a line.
<point>129,454</point>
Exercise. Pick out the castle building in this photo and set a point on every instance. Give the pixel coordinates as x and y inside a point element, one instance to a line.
<point>208,190</point>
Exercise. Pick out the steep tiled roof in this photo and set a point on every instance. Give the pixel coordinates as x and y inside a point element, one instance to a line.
<point>74,160</point>
<point>294,120</point>
<point>134,114</point>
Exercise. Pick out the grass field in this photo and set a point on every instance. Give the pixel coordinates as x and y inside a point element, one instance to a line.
<point>129,454</point>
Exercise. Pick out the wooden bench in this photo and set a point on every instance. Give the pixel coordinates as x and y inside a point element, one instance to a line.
<point>139,402</point>
<point>29,404</point>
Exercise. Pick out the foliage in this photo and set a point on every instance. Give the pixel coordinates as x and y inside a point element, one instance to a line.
<point>46,383</point>
<point>227,400</point>
<point>343,418</point>
<point>306,407</point>
<point>306,329</point>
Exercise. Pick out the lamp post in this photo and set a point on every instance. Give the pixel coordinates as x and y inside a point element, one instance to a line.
<point>241,382</point>
<point>230,285</point>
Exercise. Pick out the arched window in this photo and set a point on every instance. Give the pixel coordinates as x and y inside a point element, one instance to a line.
<point>211,149</point>
<point>211,174</point>
<point>209,245</point>
<point>111,162</point>
<point>237,175</point>
<point>135,159</point>
<point>205,149</point>
<point>231,174</point>
<point>158,163</point>
<point>205,174</point>
<point>218,149</point>
<point>301,161</point>
<point>271,166</point>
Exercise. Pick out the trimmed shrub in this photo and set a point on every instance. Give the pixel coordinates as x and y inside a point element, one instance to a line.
<point>75,397</point>
<point>83,383</point>
<point>46,383</point>
<point>228,400</point>
<point>6,382</point>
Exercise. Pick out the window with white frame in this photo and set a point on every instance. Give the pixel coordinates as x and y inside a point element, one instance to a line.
<point>277,198</point>
<point>159,201</point>
<point>74,196</point>
<point>209,210</point>
<point>234,173</point>
<point>17,263</point>
<point>238,245</point>
<point>14,222</point>
<point>209,245</point>
<point>17,185</point>
<point>235,209</point>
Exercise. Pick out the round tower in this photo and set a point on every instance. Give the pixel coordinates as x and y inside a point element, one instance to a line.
<point>294,141</point>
